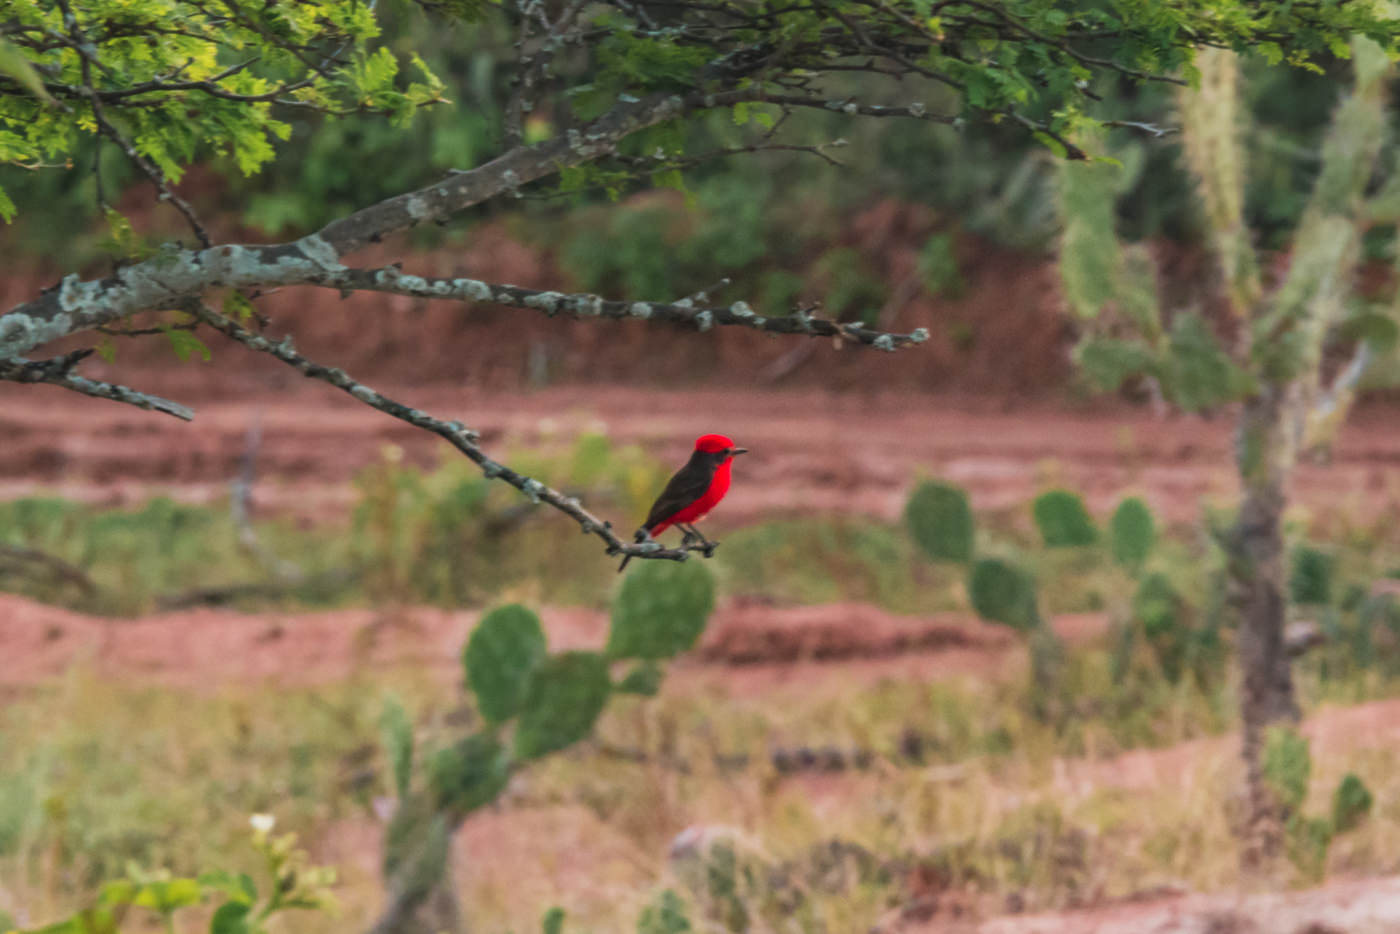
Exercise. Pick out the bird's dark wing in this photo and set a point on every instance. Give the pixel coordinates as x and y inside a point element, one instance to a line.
<point>688,485</point>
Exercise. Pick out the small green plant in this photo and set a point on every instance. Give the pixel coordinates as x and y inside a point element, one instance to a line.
<point>1310,579</point>
<point>292,883</point>
<point>1287,769</point>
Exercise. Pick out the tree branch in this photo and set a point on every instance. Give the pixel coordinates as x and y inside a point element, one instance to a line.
<point>455,433</point>
<point>58,372</point>
<point>584,305</point>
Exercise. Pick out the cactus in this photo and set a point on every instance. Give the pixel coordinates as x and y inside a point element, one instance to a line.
<point>1158,607</point>
<point>1287,764</point>
<point>397,733</point>
<point>1131,533</point>
<point>500,657</point>
<point>661,610</point>
<point>1062,520</point>
<point>1351,802</point>
<point>469,774</point>
<point>1271,356</point>
<point>553,921</point>
<point>1310,581</point>
<point>1003,593</point>
<point>645,679</point>
<point>566,694</point>
<point>940,520</point>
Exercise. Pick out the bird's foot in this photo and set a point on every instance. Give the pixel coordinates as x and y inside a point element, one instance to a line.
<point>707,547</point>
<point>688,539</point>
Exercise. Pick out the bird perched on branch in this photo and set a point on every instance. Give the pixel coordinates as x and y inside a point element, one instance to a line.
<point>692,493</point>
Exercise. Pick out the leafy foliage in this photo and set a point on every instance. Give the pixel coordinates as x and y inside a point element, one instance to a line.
<point>293,883</point>
<point>207,82</point>
<point>939,517</point>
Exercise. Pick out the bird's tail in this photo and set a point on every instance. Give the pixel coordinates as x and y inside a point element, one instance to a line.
<point>641,536</point>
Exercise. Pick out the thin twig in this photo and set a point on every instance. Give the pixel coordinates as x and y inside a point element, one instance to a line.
<point>455,433</point>
<point>58,372</point>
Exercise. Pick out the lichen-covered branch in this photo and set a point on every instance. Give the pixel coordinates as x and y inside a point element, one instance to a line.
<point>458,435</point>
<point>59,372</point>
<point>685,312</point>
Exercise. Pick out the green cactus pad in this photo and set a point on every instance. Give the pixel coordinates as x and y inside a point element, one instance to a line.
<point>645,679</point>
<point>661,610</point>
<point>1062,520</point>
<point>1131,533</point>
<point>469,774</point>
<point>1351,802</point>
<point>502,652</point>
<point>1003,593</point>
<point>940,520</point>
<point>565,695</point>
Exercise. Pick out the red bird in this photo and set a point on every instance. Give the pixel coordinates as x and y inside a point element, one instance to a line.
<point>692,492</point>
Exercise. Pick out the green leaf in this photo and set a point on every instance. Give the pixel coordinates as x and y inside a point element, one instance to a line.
<point>107,349</point>
<point>1050,143</point>
<point>939,518</point>
<point>231,918</point>
<point>469,774</point>
<point>185,343</point>
<point>166,896</point>
<point>7,207</point>
<point>1287,765</point>
<point>1063,521</point>
<point>397,732</point>
<point>1131,532</point>
<point>1003,593</point>
<point>1351,802</point>
<point>236,305</point>
<point>14,64</point>
<point>645,679</point>
<point>565,696</point>
<point>502,653</point>
<point>661,610</point>
<point>239,887</point>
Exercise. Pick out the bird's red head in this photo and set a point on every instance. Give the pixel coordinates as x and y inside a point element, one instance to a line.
<point>715,444</point>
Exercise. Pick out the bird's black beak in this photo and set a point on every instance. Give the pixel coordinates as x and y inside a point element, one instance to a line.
<point>735,452</point>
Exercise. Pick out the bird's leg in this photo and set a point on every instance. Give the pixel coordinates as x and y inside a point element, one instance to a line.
<point>707,546</point>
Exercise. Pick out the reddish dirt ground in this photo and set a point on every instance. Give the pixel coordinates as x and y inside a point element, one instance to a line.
<point>851,453</point>
<point>748,648</point>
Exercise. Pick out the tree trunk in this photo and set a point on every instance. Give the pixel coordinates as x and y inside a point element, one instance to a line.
<point>1265,453</point>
